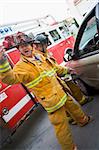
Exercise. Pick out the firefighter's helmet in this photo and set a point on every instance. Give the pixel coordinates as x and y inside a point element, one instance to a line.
<point>8,42</point>
<point>8,38</point>
<point>16,39</point>
<point>40,39</point>
<point>22,38</point>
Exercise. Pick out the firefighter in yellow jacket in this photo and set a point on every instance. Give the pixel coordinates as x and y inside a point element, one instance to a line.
<point>37,75</point>
<point>40,46</point>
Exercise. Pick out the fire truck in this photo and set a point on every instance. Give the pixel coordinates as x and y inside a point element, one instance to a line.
<point>16,102</point>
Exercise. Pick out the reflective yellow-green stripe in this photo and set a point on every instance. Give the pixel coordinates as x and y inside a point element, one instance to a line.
<point>38,79</point>
<point>51,73</point>
<point>43,74</point>
<point>34,82</point>
<point>4,67</point>
<point>55,69</point>
<point>48,73</point>
<point>58,105</point>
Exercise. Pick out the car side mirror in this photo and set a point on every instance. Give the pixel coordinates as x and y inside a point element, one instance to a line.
<point>68,55</point>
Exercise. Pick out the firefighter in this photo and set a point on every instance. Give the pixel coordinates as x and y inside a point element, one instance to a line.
<point>40,45</point>
<point>40,78</point>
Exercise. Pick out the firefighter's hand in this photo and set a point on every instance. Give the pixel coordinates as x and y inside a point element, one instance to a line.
<point>2,50</point>
<point>70,70</point>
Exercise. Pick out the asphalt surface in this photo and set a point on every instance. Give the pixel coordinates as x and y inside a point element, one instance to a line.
<point>37,133</point>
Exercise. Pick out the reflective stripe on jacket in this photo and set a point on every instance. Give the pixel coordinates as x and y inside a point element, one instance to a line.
<point>4,67</point>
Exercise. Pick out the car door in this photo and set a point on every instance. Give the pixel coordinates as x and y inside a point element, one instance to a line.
<point>86,50</point>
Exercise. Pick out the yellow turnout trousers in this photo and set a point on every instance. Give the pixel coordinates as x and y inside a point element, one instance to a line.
<point>60,122</point>
<point>76,92</point>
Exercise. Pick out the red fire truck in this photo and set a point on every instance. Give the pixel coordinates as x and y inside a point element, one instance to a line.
<point>16,103</point>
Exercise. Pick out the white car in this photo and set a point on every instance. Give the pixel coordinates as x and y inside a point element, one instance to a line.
<point>84,58</point>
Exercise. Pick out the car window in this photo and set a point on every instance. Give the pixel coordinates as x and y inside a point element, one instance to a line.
<point>64,30</point>
<point>89,38</point>
<point>55,35</point>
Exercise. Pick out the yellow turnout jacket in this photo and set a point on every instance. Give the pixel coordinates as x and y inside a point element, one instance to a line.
<point>38,74</point>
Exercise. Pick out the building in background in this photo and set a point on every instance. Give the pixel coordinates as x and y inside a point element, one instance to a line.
<point>77,10</point>
<point>84,6</point>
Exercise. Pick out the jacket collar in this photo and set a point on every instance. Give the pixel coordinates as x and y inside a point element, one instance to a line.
<point>35,57</point>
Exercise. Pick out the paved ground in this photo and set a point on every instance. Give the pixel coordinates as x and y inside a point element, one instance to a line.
<point>37,133</point>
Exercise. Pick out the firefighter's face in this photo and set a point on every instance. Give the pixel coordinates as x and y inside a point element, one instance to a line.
<point>26,50</point>
<point>40,47</point>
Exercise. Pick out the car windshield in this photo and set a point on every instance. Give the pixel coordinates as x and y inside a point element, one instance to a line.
<point>89,32</point>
